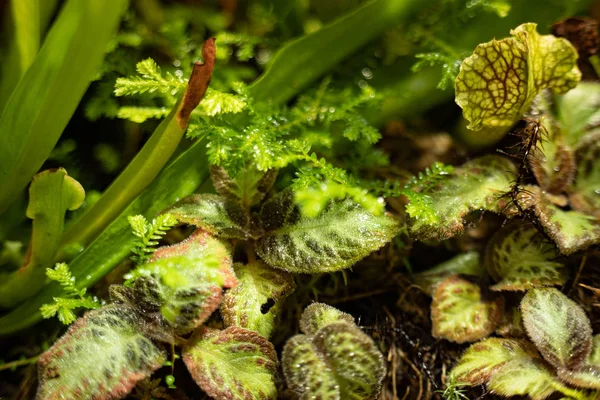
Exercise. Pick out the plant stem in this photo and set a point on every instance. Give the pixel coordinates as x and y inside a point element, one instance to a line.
<point>18,363</point>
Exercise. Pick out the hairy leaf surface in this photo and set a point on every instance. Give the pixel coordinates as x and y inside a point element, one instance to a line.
<point>520,258</point>
<point>235,363</point>
<point>461,313</point>
<point>338,237</point>
<point>215,214</point>
<point>184,282</point>
<point>477,185</point>
<point>497,84</point>
<point>586,376</point>
<point>101,356</point>
<point>484,359</point>
<point>523,376</point>
<point>319,315</point>
<point>572,231</point>
<point>558,326</point>
<point>256,301</point>
<point>339,362</point>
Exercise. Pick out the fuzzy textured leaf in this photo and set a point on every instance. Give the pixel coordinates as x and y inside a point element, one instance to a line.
<point>182,284</point>
<point>558,326</point>
<point>461,313</point>
<point>586,376</point>
<point>338,362</point>
<point>484,359</point>
<point>215,214</point>
<point>235,363</point>
<point>338,237</point>
<point>572,231</point>
<point>256,301</point>
<point>101,356</point>
<point>476,185</point>
<point>520,258</point>
<point>497,84</point>
<point>578,111</point>
<point>319,315</point>
<point>523,376</point>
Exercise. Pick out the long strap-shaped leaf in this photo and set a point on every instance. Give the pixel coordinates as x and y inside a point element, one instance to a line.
<point>180,178</point>
<point>47,95</point>
<point>308,58</point>
<point>149,161</point>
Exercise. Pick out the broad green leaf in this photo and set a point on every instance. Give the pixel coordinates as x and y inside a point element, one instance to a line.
<point>51,194</point>
<point>498,83</point>
<point>184,281</point>
<point>180,178</point>
<point>304,60</point>
<point>338,362</point>
<point>477,185</point>
<point>255,303</point>
<point>101,356</point>
<point>578,111</point>
<point>518,258</point>
<point>150,160</point>
<point>586,376</point>
<point>572,231</point>
<point>213,213</point>
<point>468,263</point>
<point>338,237</point>
<point>484,359</point>
<point>461,313</point>
<point>584,194</point>
<point>558,326</point>
<point>319,315</point>
<point>249,186</point>
<point>523,376</point>
<point>46,97</point>
<point>235,363</point>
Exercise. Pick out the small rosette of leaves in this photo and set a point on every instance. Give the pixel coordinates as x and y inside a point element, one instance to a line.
<point>235,363</point>
<point>342,234</point>
<point>101,356</point>
<point>215,214</point>
<point>498,83</point>
<point>184,282</point>
<point>520,258</point>
<point>333,360</point>
<point>461,312</point>
<point>256,301</point>
<point>476,185</point>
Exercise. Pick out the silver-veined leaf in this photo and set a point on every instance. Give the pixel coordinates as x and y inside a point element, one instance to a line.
<point>342,234</point>
<point>236,363</point>
<point>101,356</point>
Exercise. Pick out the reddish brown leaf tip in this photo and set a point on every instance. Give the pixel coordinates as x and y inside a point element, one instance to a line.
<point>198,83</point>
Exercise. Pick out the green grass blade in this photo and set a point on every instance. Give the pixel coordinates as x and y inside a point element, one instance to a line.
<point>306,59</point>
<point>47,95</point>
<point>22,34</point>
<point>180,178</point>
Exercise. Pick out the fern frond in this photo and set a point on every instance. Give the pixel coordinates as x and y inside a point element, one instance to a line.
<point>141,114</point>
<point>150,81</point>
<point>450,67</point>
<point>149,234</point>
<point>75,298</point>
<point>216,102</point>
